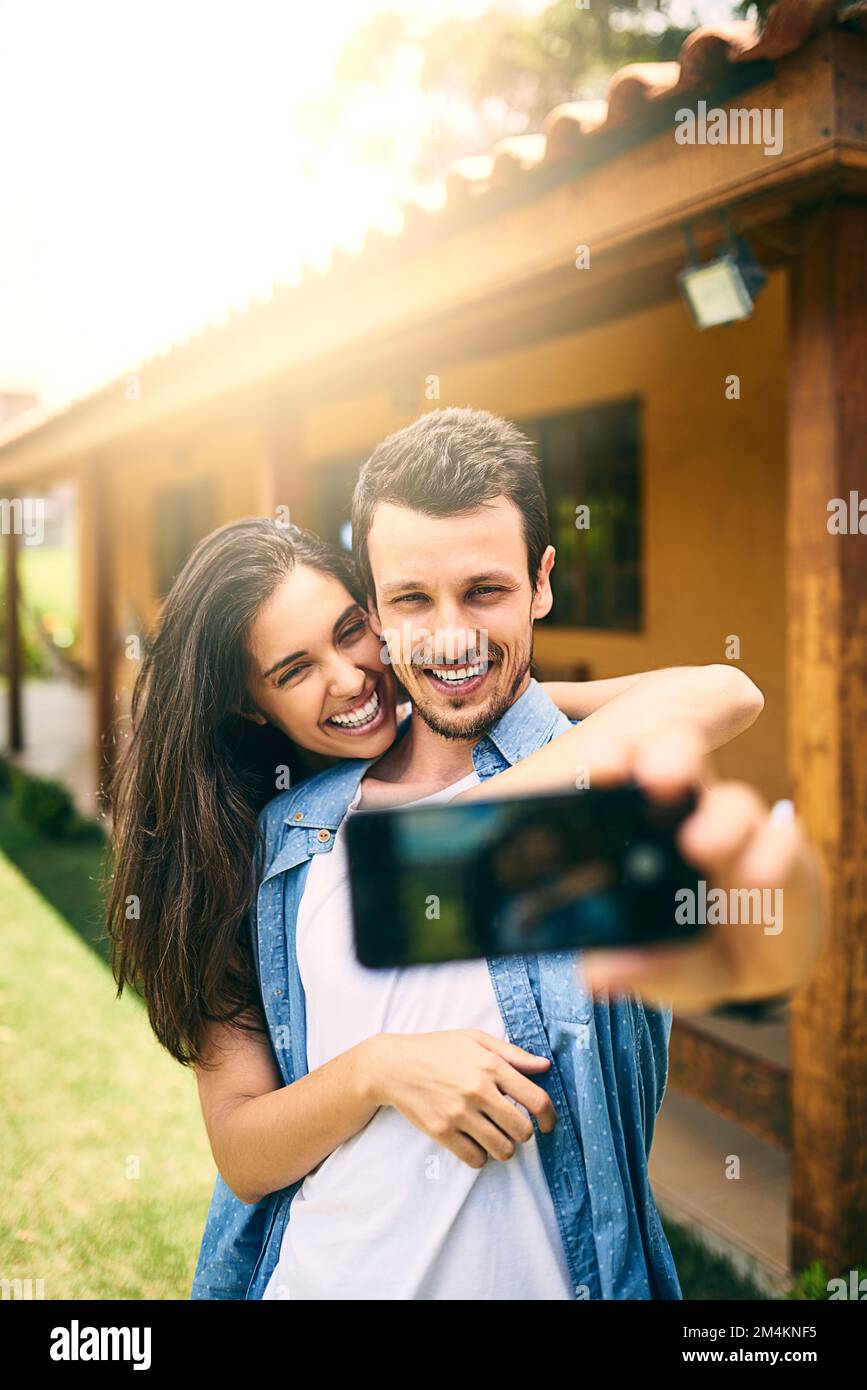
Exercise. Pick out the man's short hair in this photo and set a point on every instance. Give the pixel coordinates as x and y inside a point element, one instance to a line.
<point>448,462</point>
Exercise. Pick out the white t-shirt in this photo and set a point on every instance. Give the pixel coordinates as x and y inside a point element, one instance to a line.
<point>391,1214</point>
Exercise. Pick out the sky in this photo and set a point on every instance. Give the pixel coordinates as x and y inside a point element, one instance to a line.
<point>155,173</point>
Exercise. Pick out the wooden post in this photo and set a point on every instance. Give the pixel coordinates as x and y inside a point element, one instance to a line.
<point>286,484</point>
<point>99,509</point>
<point>827,677</point>
<point>14,662</point>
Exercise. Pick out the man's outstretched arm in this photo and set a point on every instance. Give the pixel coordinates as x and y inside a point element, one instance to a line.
<point>721,696</point>
<point>717,703</point>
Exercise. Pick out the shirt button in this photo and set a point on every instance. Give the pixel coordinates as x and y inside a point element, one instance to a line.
<point>299,815</point>
<point>323,835</point>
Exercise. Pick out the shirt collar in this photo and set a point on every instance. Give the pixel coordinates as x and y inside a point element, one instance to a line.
<point>530,722</point>
<point>321,801</point>
<point>526,725</point>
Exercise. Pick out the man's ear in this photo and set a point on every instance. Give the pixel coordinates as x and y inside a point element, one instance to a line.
<point>373,616</point>
<point>543,598</point>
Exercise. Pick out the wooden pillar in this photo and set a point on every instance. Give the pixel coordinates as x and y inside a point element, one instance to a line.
<point>827,676</point>
<point>98,534</point>
<point>286,481</point>
<point>14,662</point>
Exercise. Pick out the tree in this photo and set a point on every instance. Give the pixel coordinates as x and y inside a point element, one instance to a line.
<point>500,73</point>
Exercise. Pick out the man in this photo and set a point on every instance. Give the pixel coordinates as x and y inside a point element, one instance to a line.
<point>450,532</point>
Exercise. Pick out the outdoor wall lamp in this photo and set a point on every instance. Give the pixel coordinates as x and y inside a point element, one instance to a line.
<point>723,290</point>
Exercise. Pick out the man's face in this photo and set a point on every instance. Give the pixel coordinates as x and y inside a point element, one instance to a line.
<point>456,607</point>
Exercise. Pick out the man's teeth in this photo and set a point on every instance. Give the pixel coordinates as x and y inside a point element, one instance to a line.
<point>364,715</point>
<point>455,674</point>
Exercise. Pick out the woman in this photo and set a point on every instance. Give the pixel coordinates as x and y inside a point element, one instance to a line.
<point>263,667</point>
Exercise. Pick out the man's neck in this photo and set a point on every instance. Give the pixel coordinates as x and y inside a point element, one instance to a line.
<point>420,763</point>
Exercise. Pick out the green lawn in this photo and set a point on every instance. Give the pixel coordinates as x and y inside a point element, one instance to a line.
<point>86,1089</point>
<point>88,1095</point>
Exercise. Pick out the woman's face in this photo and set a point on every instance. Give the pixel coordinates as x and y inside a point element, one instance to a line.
<point>316,670</point>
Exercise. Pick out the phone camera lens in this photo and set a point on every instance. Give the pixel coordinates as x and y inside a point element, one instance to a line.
<point>643,863</point>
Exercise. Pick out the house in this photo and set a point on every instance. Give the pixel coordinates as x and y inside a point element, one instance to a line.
<point>546,289</point>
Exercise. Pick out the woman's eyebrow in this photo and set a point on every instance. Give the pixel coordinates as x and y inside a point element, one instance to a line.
<point>284,661</point>
<point>353,608</point>
<point>287,660</point>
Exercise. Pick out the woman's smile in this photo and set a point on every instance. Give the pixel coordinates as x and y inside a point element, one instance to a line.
<point>363,715</point>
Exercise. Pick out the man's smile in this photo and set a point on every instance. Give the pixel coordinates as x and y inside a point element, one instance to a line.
<point>453,678</point>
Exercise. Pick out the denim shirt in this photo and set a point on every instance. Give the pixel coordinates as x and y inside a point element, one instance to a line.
<point>607,1079</point>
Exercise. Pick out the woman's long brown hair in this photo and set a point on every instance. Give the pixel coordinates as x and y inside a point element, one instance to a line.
<point>188,788</point>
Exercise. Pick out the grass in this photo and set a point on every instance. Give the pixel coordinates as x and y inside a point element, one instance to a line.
<point>49,580</point>
<point>67,873</point>
<point>704,1275</point>
<point>89,1099</point>
<point>86,1089</point>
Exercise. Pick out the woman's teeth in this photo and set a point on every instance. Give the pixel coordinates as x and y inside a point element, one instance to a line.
<point>364,715</point>
<point>455,674</point>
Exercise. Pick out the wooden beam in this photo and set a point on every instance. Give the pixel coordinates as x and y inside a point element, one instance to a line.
<point>827,680</point>
<point>14,661</point>
<point>731,1081</point>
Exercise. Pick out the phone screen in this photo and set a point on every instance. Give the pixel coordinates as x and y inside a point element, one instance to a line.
<point>458,881</point>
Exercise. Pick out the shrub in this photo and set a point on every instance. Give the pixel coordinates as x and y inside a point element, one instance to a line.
<point>44,805</point>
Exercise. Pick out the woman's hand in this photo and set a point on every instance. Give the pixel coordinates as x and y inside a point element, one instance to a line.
<point>459,1086</point>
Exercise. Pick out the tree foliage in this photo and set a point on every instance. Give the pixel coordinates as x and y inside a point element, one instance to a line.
<point>501,72</point>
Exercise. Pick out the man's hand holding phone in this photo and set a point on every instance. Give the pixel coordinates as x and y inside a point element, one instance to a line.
<point>732,839</point>
<point>685,891</point>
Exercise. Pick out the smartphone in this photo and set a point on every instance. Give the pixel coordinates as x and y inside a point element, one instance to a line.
<point>449,882</point>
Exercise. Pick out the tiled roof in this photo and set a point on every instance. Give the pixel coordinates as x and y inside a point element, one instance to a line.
<point>703,62</point>
<point>571,134</point>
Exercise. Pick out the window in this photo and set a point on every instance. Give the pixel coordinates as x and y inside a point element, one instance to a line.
<point>591,458</point>
<point>182,516</point>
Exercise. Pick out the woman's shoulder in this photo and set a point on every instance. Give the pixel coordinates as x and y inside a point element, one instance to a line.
<point>324,793</point>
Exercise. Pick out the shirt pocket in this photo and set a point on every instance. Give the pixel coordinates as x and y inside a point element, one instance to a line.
<point>564,1002</point>
<point>563,994</point>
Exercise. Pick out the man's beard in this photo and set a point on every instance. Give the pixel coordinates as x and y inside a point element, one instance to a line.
<point>481,720</point>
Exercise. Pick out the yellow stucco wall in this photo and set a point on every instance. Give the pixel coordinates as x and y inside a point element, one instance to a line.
<point>714,487</point>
